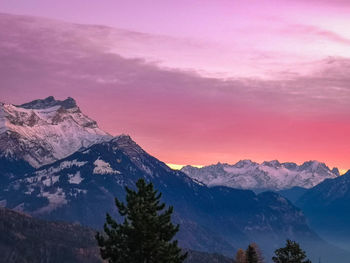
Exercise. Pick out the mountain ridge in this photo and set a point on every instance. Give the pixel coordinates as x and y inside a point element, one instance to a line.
<point>270,175</point>
<point>48,103</point>
<point>327,208</point>
<point>43,131</point>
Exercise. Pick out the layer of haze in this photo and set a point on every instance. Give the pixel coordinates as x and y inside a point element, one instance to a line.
<point>194,82</point>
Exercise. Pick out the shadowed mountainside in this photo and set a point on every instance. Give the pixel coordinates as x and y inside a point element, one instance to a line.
<point>25,239</point>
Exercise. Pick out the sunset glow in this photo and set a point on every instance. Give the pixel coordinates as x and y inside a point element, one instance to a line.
<point>194,82</point>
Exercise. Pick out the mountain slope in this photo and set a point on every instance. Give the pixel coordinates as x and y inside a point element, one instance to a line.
<point>25,239</point>
<point>81,188</point>
<point>44,131</point>
<point>271,175</point>
<point>293,194</point>
<point>327,208</point>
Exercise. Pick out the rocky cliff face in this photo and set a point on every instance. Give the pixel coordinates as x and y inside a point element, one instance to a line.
<point>44,131</point>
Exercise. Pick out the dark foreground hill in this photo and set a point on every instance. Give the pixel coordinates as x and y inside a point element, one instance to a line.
<point>25,239</point>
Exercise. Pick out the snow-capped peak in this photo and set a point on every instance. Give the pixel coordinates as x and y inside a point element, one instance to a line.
<point>267,175</point>
<point>49,102</point>
<point>273,163</point>
<point>245,163</point>
<point>43,131</point>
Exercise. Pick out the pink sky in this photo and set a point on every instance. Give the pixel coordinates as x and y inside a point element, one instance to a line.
<point>194,82</point>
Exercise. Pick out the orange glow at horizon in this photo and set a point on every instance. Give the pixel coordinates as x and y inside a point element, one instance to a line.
<point>179,166</point>
<point>230,80</point>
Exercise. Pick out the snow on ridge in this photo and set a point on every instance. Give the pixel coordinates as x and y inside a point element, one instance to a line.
<point>47,134</point>
<point>48,178</point>
<point>102,167</point>
<point>3,125</point>
<point>49,181</point>
<point>267,175</point>
<point>75,178</point>
<point>63,165</point>
<point>56,199</point>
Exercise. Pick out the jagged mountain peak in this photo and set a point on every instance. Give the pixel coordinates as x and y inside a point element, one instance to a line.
<point>313,164</point>
<point>124,139</point>
<point>126,143</point>
<point>272,175</point>
<point>318,167</point>
<point>245,162</point>
<point>45,130</point>
<point>49,102</point>
<point>335,170</point>
<point>273,163</point>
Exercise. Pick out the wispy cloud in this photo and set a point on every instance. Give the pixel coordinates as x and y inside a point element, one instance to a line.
<point>314,32</point>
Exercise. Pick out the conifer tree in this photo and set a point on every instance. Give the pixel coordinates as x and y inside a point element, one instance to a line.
<point>258,252</point>
<point>146,234</point>
<point>240,256</point>
<point>291,253</point>
<point>251,255</point>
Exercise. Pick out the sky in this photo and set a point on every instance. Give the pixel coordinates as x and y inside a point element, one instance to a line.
<point>193,82</point>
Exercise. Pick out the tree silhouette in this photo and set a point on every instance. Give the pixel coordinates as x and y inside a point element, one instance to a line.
<point>146,234</point>
<point>291,253</point>
<point>258,252</point>
<point>251,255</point>
<point>240,256</point>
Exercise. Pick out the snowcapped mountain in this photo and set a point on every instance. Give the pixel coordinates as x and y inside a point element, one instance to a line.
<point>43,131</point>
<point>268,175</point>
<point>77,170</point>
<point>81,188</point>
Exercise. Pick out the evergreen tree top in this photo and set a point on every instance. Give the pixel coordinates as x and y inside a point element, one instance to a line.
<point>146,234</point>
<point>291,253</point>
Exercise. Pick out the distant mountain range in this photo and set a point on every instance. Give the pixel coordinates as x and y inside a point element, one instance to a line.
<point>271,175</point>
<point>321,193</point>
<point>81,187</point>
